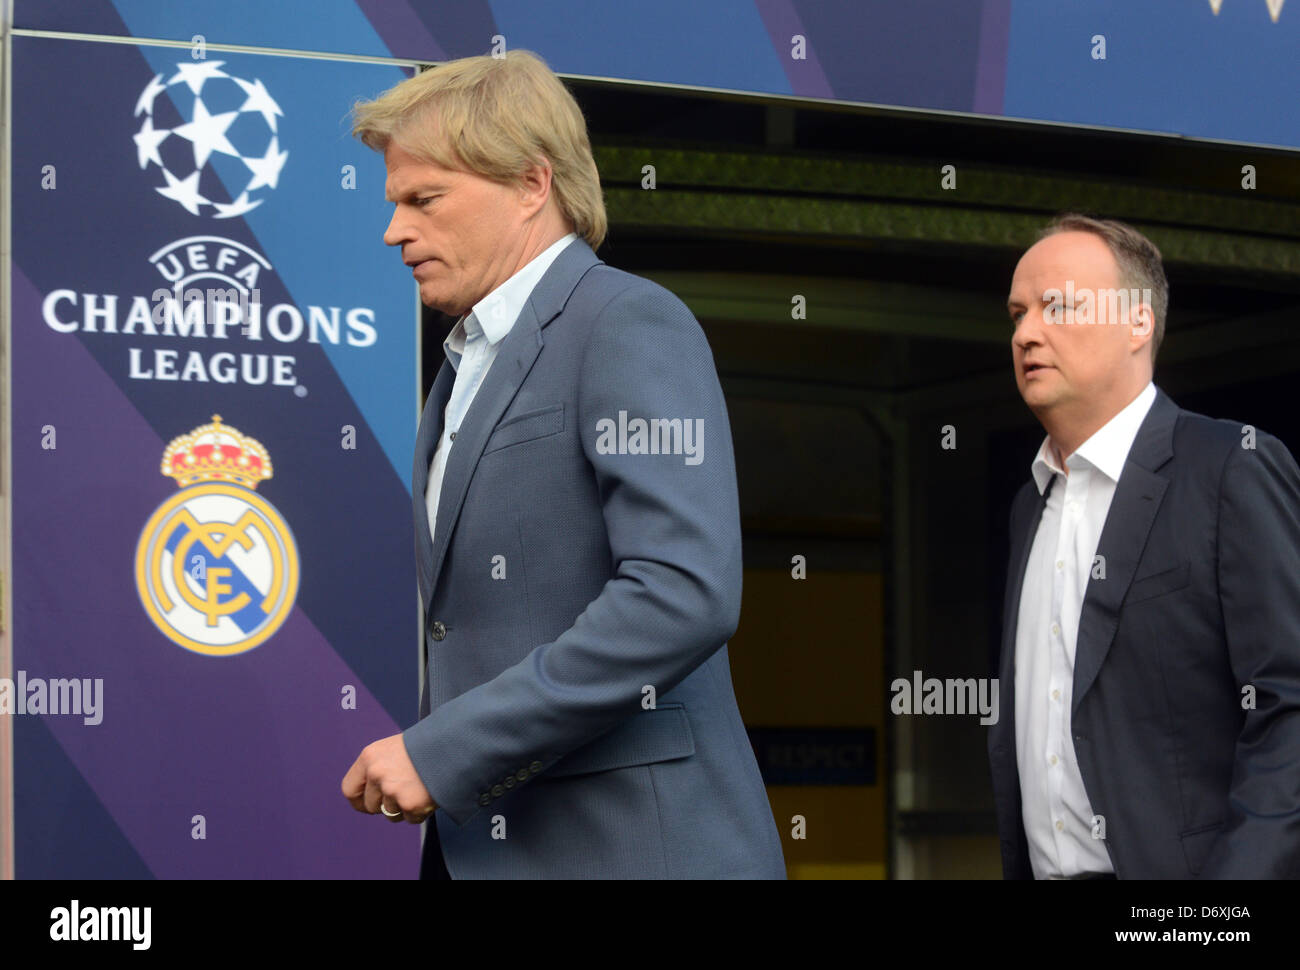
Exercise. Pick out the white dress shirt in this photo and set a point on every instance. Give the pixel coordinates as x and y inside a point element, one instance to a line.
<point>471,347</point>
<point>1057,815</point>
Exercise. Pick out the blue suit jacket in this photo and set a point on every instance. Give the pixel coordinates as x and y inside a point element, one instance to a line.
<point>621,572</point>
<point>1201,599</point>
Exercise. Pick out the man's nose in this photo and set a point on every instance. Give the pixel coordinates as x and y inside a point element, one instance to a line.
<point>1029,329</point>
<point>398,231</point>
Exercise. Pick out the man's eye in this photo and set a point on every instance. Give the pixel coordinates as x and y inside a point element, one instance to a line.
<point>425,200</point>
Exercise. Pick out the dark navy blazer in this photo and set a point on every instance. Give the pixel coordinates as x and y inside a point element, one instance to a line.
<point>1186,709</point>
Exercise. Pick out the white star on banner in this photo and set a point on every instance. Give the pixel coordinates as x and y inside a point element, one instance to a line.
<point>260,100</point>
<point>147,140</point>
<point>208,133</point>
<point>1274,8</point>
<point>184,191</point>
<point>266,170</point>
<point>236,208</point>
<point>155,88</point>
<point>195,74</point>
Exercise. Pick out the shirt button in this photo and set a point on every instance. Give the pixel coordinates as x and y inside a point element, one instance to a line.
<point>1052,760</point>
<point>1060,826</point>
<point>1056,695</point>
<point>453,436</point>
<point>1056,630</point>
<point>1060,564</point>
<point>439,631</point>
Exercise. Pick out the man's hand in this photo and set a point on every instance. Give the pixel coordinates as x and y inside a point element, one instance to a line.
<point>383,778</point>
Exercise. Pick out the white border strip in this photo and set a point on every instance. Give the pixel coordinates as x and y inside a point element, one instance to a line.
<point>214,46</point>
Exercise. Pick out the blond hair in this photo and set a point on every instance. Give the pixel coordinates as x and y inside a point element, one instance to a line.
<point>495,117</point>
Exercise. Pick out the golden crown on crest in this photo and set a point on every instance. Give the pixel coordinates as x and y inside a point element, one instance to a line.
<point>216,452</point>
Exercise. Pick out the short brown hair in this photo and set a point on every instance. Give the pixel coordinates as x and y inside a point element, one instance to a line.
<point>495,117</point>
<point>1138,259</point>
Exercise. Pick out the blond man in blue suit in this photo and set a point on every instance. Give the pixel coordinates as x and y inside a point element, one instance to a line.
<point>577,526</point>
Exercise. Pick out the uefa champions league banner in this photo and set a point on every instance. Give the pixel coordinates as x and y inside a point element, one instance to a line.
<point>214,402</point>
<point>1224,69</point>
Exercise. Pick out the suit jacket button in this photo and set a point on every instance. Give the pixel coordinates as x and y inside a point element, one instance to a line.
<point>535,767</point>
<point>497,791</point>
<point>485,799</point>
<point>522,774</point>
<point>439,630</point>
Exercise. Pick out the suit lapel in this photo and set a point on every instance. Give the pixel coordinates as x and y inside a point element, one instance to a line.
<point>518,352</point>
<point>1022,541</point>
<point>1137,498</point>
<point>519,349</point>
<point>425,443</point>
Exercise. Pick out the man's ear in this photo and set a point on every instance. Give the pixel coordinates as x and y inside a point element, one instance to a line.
<point>535,184</point>
<point>1141,326</point>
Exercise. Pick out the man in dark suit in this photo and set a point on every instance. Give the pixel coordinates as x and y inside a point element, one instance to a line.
<point>577,523</point>
<point>1150,659</point>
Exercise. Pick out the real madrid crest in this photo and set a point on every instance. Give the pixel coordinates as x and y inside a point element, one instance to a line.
<point>216,566</point>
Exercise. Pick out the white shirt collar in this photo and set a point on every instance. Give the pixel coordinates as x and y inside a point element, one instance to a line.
<point>494,316</point>
<point>1107,450</point>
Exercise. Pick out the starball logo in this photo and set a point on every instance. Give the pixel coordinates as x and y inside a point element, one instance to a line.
<point>219,115</point>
